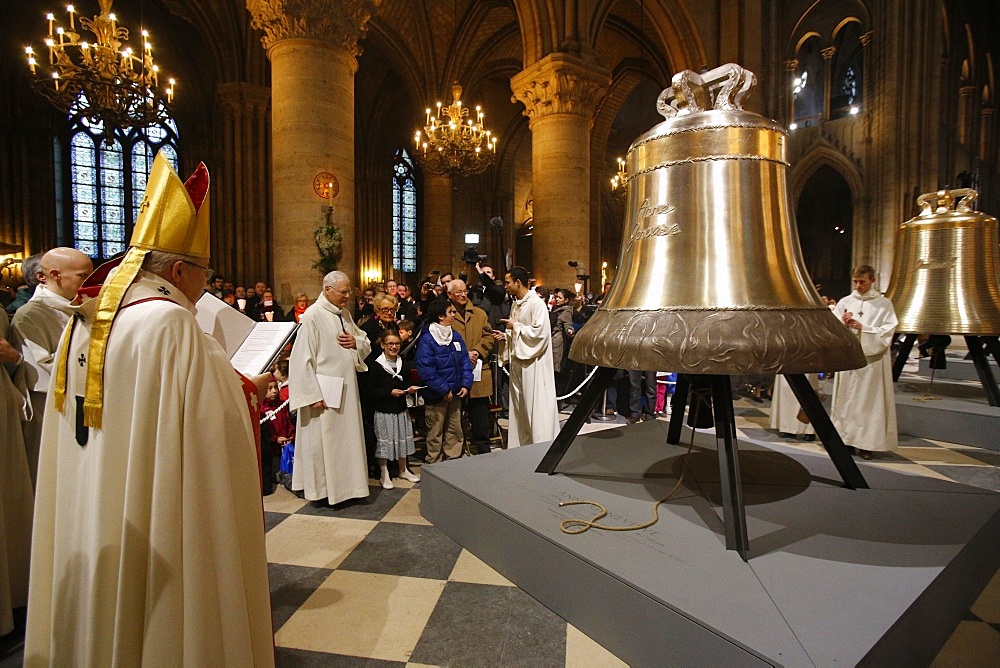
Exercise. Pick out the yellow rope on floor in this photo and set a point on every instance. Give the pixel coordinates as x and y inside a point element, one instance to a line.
<point>576,526</point>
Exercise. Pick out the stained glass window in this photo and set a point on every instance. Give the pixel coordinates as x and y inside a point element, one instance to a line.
<point>404,214</point>
<point>107,182</point>
<point>847,72</point>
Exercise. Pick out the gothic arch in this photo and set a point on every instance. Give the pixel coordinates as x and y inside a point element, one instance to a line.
<point>819,156</point>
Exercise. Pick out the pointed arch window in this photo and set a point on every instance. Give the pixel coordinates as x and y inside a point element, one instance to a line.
<point>808,84</point>
<point>107,181</point>
<point>847,72</point>
<point>404,214</point>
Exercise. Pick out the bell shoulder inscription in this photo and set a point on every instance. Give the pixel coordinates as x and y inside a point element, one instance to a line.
<point>646,211</point>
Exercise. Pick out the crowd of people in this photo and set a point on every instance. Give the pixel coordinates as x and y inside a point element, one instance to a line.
<point>136,453</point>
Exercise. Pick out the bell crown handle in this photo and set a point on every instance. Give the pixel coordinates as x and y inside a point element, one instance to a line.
<point>944,201</point>
<point>725,87</point>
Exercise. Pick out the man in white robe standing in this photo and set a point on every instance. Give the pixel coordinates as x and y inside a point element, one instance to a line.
<point>148,543</point>
<point>864,402</point>
<point>527,352</point>
<point>787,414</point>
<point>16,501</point>
<point>330,440</point>
<point>37,327</point>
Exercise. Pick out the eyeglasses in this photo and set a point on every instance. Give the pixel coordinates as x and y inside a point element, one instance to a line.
<point>387,309</point>
<point>389,344</point>
<point>209,272</point>
<point>339,292</point>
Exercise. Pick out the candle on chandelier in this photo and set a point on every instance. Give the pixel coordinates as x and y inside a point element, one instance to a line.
<point>71,10</point>
<point>51,17</point>
<point>31,58</point>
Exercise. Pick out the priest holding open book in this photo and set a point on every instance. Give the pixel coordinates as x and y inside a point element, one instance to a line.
<point>148,540</point>
<point>329,350</point>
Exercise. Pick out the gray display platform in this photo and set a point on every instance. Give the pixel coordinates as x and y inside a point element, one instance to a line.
<point>947,410</point>
<point>835,576</point>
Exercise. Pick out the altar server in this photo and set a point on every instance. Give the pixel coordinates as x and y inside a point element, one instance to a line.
<point>864,403</point>
<point>527,353</point>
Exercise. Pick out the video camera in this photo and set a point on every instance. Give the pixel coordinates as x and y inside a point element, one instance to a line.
<point>472,256</point>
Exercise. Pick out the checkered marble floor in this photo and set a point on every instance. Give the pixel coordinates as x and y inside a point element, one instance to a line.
<point>375,584</point>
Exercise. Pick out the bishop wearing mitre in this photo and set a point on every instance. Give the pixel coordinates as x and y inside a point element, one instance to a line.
<point>148,530</point>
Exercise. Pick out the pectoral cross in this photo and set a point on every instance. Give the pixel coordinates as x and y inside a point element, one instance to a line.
<point>81,360</point>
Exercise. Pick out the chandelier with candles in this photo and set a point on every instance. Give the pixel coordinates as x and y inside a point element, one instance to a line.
<point>102,79</point>
<point>454,143</point>
<point>619,180</point>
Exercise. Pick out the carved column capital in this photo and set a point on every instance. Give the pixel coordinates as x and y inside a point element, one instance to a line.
<point>792,64</point>
<point>560,84</point>
<point>828,52</point>
<point>337,22</point>
<point>866,38</point>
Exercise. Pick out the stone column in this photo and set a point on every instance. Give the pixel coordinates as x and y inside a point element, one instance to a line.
<point>313,49</point>
<point>560,94</point>
<point>437,224</point>
<point>241,207</point>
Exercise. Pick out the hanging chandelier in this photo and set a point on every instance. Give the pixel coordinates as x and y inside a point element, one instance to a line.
<point>452,142</point>
<point>104,80</point>
<point>618,181</point>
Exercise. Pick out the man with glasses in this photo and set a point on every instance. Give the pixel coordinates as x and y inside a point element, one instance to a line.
<point>329,350</point>
<point>474,326</point>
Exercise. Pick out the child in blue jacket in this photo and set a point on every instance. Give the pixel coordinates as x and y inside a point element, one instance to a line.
<point>444,367</point>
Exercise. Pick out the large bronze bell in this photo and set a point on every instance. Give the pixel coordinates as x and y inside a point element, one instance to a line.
<point>944,272</point>
<point>711,278</point>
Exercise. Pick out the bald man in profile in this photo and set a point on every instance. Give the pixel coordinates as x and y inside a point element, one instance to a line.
<point>37,327</point>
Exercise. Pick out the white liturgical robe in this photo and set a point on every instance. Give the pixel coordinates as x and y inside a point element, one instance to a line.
<point>149,531</point>
<point>864,403</point>
<point>785,408</point>
<point>37,327</point>
<point>527,351</point>
<point>16,500</point>
<point>329,442</point>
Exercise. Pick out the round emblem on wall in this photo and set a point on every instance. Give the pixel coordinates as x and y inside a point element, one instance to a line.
<point>326,185</point>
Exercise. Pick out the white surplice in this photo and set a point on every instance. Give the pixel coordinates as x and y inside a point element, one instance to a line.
<point>16,499</point>
<point>329,443</point>
<point>527,352</point>
<point>785,407</point>
<point>36,327</point>
<point>864,402</point>
<point>149,531</point>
